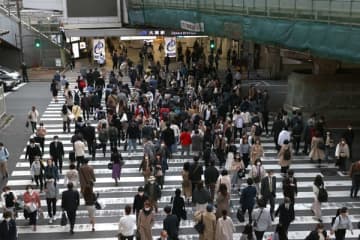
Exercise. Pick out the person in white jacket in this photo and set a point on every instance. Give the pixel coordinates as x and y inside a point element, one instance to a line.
<point>127,225</point>
<point>284,135</point>
<point>224,227</point>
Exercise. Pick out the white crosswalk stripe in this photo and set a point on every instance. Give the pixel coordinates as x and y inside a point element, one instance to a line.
<point>116,197</point>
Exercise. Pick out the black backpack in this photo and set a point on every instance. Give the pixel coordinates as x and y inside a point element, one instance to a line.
<point>287,154</point>
<point>9,199</point>
<point>322,195</point>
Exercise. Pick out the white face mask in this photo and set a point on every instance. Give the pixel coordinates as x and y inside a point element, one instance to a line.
<point>141,193</point>
<point>30,191</point>
<point>343,142</point>
<point>7,219</point>
<point>258,163</point>
<point>56,140</point>
<point>287,205</point>
<point>147,209</point>
<point>32,145</point>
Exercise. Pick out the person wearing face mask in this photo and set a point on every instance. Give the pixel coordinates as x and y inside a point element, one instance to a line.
<point>32,151</point>
<point>8,229</point>
<point>33,117</point>
<point>342,154</point>
<point>354,174</point>
<point>57,152</point>
<point>341,224</point>
<point>348,135</point>
<point>257,172</point>
<point>139,200</point>
<point>146,221</point>
<point>268,190</point>
<point>286,213</point>
<point>318,234</point>
<point>51,171</point>
<point>32,205</point>
<point>37,173</point>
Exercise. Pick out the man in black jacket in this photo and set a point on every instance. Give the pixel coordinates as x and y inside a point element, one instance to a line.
<point>139,200</point>
<point>70,201</point>
<point>195,172</point>
<point>32,151</point>
<point>153,192</point>
<point>57,152</point>
<point>268,190</point>
<point>168,136</point>
<point>88,133</point>
<point>247,199</point>
<point>286,213</point>
<point>8,228</point>
<point>171,224</point>
<point>211,175</point>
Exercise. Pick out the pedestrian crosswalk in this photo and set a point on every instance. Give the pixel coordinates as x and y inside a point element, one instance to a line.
<point>116,197</point>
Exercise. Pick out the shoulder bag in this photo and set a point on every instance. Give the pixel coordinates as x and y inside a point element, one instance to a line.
<point>257,219</point>
<point>200,226</point>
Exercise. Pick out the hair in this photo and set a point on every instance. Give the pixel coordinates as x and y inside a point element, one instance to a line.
<point>223,189</point>
<point>177,192</point>
<point>224,213</point>
<point>318,181</point>
<point>72,166</point>
<point>261,203</point>
<point>196,158</point>
<point>7,214</point>
<point>200,185</point>
<point>127,209</point>
<point>319,226</point>
<point>286,142</point>
<point>70,185</point>
<point>343,210</point>
<point>209,208</point>
<point>1,144</point>
<point>257,160</point>
<point>140,189</point>
<point>29,186</point>
<point>250,181</point>
<point>224,172</point>
<point>290,173</point>
<point>6,188</point>
<point>186,166</point>
<point>167,209</point>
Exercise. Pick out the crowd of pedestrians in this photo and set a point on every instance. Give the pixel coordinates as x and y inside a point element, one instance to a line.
<point>194,112</point>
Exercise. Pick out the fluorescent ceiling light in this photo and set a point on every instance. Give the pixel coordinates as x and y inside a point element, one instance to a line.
<point>138,38</point>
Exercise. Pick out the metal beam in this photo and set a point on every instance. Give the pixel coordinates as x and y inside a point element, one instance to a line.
<point>102,32</point>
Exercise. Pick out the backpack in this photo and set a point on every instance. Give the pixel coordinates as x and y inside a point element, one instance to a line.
<point>9,199</point>
<point>76,98</point>
<point>287,154</point>
<point>322,195</point>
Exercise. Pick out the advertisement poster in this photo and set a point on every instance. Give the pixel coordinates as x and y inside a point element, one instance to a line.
<point>170,46</point>
<point>98,48</point>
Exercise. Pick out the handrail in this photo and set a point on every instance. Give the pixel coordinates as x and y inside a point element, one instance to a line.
<point>331,11</point>
<point>15,18</point>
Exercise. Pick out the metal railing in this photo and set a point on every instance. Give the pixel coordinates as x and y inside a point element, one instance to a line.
<point>339,11</point>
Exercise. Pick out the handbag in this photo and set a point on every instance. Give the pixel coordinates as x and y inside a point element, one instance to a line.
<point>110,165</point>
<point>99,204</point>
<point>63,220</point>
<point>200,226</point>
<point>241,173</point>
<point>19,205</point>
<point>27,124</point>
<point>183,214</point>
<point>31,207</point>
<point>240,215</point>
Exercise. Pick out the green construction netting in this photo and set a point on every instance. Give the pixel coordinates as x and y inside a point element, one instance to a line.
<point>320,39</point>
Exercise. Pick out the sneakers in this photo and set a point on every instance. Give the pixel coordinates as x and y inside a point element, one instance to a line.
<point>50,221</point>
<point>54,218</point>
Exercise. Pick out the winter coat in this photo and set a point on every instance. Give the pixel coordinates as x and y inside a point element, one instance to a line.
<point>209,221</point>
<point>145,223</point>
<point>282,161</point>
<point>316,153</point>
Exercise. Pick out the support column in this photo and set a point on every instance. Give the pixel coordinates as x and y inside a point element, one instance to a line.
<point>324,66</point>
<point>273,61</point>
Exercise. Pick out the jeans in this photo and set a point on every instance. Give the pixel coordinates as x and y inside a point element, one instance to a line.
<point>132,145</point>
<point>51,206</point>
<point>355,185</point>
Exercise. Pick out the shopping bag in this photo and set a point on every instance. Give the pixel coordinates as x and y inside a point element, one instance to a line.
<point>63,220</point>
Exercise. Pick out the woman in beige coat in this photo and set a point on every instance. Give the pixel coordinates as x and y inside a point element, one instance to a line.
<point>257,151</point>
<point>284,158</point>
<point>209,220</point>
<point>316,152</point>
<point>186,183</point>
<point>146,221</point>
<point>222,200</point>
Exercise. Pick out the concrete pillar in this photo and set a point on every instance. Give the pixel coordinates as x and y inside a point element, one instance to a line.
<point>273,61</point>
<point>324,66</point>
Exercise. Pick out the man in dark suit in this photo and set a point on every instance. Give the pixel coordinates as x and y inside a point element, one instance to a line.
<point>8,228</point>
<point>70,201</point>
<point>57,152</point>
<point>171,224</point>
<point>290,189</point>
<point>286,213</point>
<point>168,136</point>
<point>268,190</point>
<point>88,133</point>
<point>195,172</point>
<point>247,199</point>
<point>211,175</point>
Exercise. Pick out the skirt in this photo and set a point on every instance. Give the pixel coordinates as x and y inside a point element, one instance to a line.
<point>116,171</point>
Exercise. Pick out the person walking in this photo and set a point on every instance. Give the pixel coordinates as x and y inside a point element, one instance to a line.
<point>54,90</point>
<point>316,206</point>
<point>171,224</point>
<point>9,198</point>
<point>8,229</point>
<point>256,152</point>
<point>79,149</point>
<point>201,197</point>
<point>209,220</point>
<point>244,150</point>
<point>146,168</point>
<point>88,132</point>
<point>257,172</point>
<point>90,199</point>
<point>66,118</point>
<point>127,225</point>
<point>117,161</point>
<point>51,171</point>
<point>349,135</point>
<point>103,137</point>
<point>286,213</point>
<point>24,72</point>
<point>222,200</point>
<point>32,205</point>
<point>280,233</point>
<point>285,157</point>
<point>51,193</point>
<point>32,151</point>
<point>146,221</point>
<point>317,152</point>
<point>57,153</point>
<point>224,178</point>
<point>186,182</point>
<point>71,175</point>
<point>224,227</point>
<point>354,174</point>
<point>33,118</point>
<point>342,154</point>
<point>195,172</point>
<point>289,185</point>
<point>268,190</point>
<point>178,207</point>
<point>153,192</point>
<point>70,201</point>
<point>341,224</point>
<point>87,175</point>
<point>211,176</point>
<point>318,233</point>
<point>247,198</point>
<point>185,141</point>
<point>237,172</point>
<point>248,233</point>
<point>139,200</point>
<point>4,157</point>
<point>37,173</point>
<point>262,218</point>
